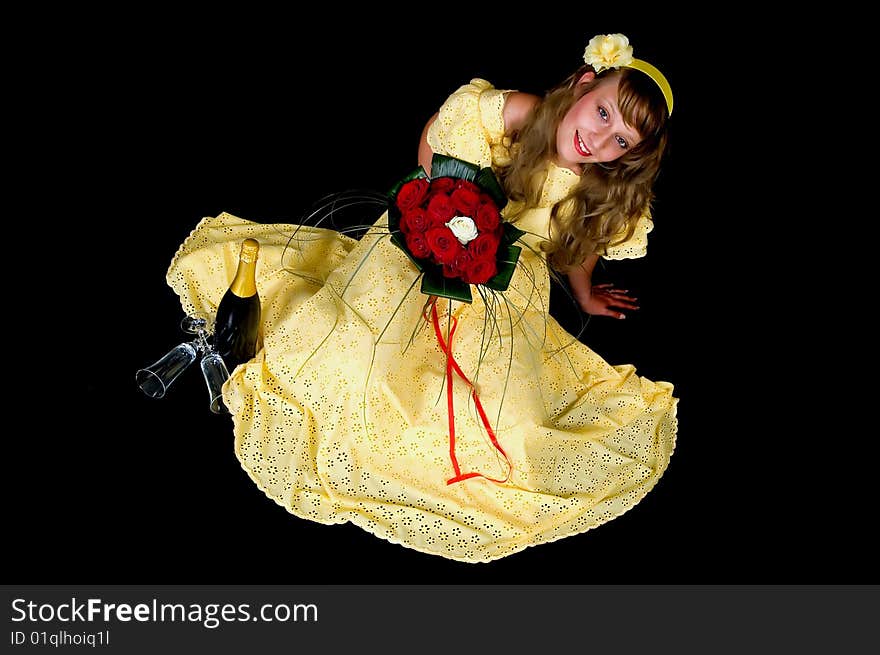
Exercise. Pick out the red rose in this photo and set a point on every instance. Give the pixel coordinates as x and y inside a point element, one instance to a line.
<point>485,246</point>
<point>418,245</point>
<point>442,185</point>
<point>480,271</point>
<point>412,194</point>
<point>440,210</point>
<point>459,264</point>
<point>443,244</point>
<point>414,220</point>
<point>465,201</point>
<point>487,219</point>
<point>470,186</point>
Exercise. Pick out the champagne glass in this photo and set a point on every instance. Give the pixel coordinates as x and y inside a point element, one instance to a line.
<point>215,373</point>
<point>213,367</point>
<point>155,379</point>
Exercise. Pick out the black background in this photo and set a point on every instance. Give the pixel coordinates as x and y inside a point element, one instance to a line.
<point>155,124</point>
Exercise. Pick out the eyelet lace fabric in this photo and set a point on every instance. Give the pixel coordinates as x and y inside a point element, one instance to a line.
<point>342,415</point>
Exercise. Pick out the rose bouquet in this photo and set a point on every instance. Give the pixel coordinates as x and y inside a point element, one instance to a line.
<point>450,226</point>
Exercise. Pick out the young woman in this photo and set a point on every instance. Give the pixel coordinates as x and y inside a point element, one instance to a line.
<point>466,430</point>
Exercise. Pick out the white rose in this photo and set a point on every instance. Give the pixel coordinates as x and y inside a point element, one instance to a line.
<point>463,228</point>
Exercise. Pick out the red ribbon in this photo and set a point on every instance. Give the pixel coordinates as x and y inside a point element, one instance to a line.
<point>452,365</point>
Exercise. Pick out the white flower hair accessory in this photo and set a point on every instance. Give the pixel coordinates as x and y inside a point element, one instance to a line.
<point>606,51</point>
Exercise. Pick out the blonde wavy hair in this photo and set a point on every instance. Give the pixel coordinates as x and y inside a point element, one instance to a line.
<point>606,204</point>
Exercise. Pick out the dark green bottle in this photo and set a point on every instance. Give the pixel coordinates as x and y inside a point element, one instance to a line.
<point>237,326</point>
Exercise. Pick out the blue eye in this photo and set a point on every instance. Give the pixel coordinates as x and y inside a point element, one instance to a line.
<point>603,113</point>
<point>622,142</point>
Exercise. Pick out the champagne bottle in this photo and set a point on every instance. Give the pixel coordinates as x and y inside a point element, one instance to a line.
<point>237,325</point>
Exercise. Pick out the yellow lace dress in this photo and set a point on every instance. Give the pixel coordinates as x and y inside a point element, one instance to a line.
<point>343,414</point>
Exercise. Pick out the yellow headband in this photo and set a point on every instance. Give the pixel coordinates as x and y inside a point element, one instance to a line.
<point>657,76</point>
<point>614,51</point>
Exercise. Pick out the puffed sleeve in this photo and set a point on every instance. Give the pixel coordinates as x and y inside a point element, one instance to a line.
<point>637,244</point>
<point>470,125</point>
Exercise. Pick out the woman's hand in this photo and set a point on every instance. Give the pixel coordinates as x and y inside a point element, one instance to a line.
<point>605,300</point>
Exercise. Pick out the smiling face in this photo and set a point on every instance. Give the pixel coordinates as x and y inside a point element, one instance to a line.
<point>593,130</point>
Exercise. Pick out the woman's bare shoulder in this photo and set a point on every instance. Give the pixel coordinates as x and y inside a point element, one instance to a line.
<point>517,106</point>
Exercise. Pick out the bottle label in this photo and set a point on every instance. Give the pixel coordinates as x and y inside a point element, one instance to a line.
<point>249,250</point>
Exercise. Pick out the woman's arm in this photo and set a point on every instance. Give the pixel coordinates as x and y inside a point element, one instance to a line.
<point>516,109</point>
<point>599,299</point>
<point>517,106</point>
<point>425,152</point>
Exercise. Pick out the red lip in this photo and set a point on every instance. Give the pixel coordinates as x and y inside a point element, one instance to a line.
<point>577,146</point>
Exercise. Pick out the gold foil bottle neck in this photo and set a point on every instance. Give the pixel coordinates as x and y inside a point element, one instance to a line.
<point>250,248</point>
<point>244,285</point>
